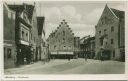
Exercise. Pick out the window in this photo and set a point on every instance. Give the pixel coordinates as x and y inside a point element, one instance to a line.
<point>63,40</point>
<point>112,29</point>
<point>105,30</point>
<point>55,47</point>
<point>101,42</point>
<point>63,33</point>
<point>8,53</point>
<point>26,34</point>
<point>106,43</point>
<point>99,32</point>
<point>111,41</point>
<point>23,35</point>
<point>67,25</point>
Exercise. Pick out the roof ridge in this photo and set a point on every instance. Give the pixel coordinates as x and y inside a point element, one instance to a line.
<point>112,12</point>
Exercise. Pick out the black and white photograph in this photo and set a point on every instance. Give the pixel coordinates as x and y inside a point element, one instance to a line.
<point>64,37</point>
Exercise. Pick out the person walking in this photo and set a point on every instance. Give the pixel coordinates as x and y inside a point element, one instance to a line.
<point>85,57</point>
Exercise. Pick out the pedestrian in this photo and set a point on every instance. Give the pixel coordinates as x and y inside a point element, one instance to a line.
<point>25,61</point>
<point>85,57</point>
<point>68,58</point>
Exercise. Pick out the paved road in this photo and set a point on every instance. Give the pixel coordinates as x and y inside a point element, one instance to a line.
<point>74,66</point>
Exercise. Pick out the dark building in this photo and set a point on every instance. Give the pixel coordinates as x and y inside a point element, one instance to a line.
<point>40,25</point>
<point>87,47</point>
<point>24,43</point>
<point>76,46</point>
<point>110,35</point>
<point>34,37</point>
<point>62,42</point>
<point>9,37</point>
<point>22,32</point>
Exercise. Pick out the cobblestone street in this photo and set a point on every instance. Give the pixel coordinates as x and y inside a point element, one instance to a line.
<point>74,66</point>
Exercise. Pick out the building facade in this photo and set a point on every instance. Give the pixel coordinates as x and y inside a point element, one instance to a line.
<point>41,32</point>
<point>24,43</point>
<point>61,42</point>
<point>9,37</point>
<point>34,36</point>
<point>76,46</point>
<point>110,36</point>
<point>87,47</point>
<point>23,27</point>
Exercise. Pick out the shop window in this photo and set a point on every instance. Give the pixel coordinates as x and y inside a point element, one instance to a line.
<point>8,53</point>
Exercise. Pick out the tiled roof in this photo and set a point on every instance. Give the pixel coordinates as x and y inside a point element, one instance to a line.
<point>118,13</point>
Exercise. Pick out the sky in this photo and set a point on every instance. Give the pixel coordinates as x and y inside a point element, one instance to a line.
<point>82,16</point>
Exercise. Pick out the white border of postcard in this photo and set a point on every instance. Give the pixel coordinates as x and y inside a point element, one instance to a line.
<point>64,77</point>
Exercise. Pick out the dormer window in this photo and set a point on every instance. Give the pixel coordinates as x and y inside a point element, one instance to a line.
<point>65,22</point>
<point>61,22</point>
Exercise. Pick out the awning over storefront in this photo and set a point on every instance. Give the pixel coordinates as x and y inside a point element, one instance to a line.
<point>54,53</point>
<point>67,53</point>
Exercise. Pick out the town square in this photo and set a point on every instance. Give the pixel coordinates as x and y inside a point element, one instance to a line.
<point>64,37</point>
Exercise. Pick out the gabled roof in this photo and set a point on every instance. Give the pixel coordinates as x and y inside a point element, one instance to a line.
<point>118,13</point>
<point>20,8</point>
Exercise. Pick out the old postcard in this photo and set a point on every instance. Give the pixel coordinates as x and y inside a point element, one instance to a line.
<point>64,37</point>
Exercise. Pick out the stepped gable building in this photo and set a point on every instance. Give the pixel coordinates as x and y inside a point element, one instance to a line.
<point>61,42</point>
<point>110,35</point>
